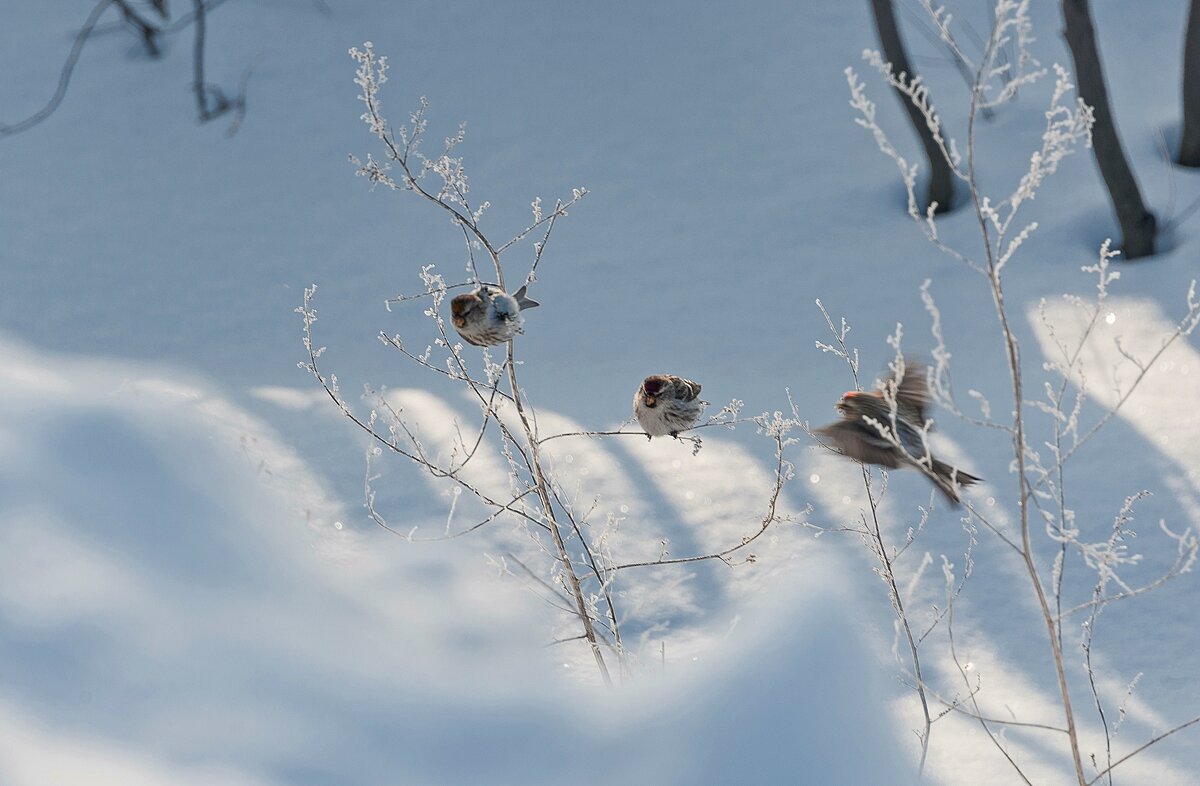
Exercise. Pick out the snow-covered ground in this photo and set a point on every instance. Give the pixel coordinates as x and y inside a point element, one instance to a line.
<point>190,590</point>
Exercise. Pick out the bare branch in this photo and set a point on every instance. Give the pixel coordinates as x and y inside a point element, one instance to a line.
<point>1144,746</point>
<point>64,78</point>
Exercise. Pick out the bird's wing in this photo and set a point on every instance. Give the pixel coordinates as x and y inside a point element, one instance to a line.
<point>913,388</point>
<point>688,390</point>
<point>861,442</point>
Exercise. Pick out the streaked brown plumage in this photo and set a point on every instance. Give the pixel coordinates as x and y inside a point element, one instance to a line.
<point>488,316</point>
<point>667,404</point>
<point>862,440</point>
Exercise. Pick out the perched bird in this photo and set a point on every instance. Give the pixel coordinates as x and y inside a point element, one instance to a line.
<point>667,404</point>
<point>864,441</point>
<point>488,316</point>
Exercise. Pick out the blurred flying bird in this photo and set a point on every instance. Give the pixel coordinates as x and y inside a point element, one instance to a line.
<point>873,431</point>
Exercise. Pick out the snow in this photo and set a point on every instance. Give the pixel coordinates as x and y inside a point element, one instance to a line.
<point>190,589</point>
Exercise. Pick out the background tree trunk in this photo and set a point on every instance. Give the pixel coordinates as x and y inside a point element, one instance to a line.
<point>941,179</point>
<point>1189,143</point>
<point>1138,225</point>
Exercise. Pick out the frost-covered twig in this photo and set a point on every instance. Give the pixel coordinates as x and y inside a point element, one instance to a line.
<point>777,428</point>
<point>952,591</point>
<point>1188,548</point>
<point>712,422</point>
<point>1154,740</point>
<point>884,554</point>
<point>1104,559</point>
<point>581,568</point>
<point>1041,494</point>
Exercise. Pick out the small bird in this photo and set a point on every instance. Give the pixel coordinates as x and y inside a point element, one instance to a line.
<point>489,316</point>
<point>863,441</point>
<point>667,404</point>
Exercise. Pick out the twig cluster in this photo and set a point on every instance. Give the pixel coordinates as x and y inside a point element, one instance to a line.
<point>1039,468</point>
<point>581,564</point>
<point>211,101</point>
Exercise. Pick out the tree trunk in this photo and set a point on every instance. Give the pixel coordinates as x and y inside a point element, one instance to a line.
<point>941,179</point>
<point>1189,144</point>
<point>1138,225</point>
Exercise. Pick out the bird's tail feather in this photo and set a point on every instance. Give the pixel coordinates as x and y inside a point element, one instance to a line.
<point>949,479</point>
<point>523,301</point>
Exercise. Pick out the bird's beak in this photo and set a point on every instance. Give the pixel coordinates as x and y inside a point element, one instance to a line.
<point>650,401</point>
<point>459,321</point>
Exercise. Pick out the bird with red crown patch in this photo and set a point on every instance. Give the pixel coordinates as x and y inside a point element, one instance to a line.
<point>887,426</point>
<point>666,404</point>
<point>489,316</point>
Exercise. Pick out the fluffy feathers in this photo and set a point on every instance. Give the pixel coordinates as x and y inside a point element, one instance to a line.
<point>667,404</point>
<point>858,434</point>
<point>488,316</point>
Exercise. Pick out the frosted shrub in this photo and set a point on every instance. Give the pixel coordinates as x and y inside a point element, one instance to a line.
<point>574,559</point>
<point>1046,429</point>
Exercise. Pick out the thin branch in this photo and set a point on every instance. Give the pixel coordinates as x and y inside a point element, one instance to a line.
<point>596,571</point>
<point>727,423</point>
<point>781,477</point>
<point>565,600</point>
<point>972,693</point>
<point>956,705</point>
<point>148,32</point>
<point>64,78</point>
<point>889,576</point>
<point>1143,747</point>
<point>328,386</point>
<point>581,636</point>
<point>507,508</point>
<point>555,531</point>
<point>204,91</point>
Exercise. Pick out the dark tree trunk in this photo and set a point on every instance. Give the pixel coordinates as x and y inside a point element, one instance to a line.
<point>941,179</point>
<point>1138,226</point>
<point>1189,144</point>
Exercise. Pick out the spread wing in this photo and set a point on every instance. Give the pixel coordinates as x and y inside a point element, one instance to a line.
<point>861,443</point>
<point>912,390</point>
<point>914,387</point>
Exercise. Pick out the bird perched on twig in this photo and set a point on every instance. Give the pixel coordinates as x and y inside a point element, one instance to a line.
<point>667,404</point>
<point>872,431</point>
<point>489,316</point>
